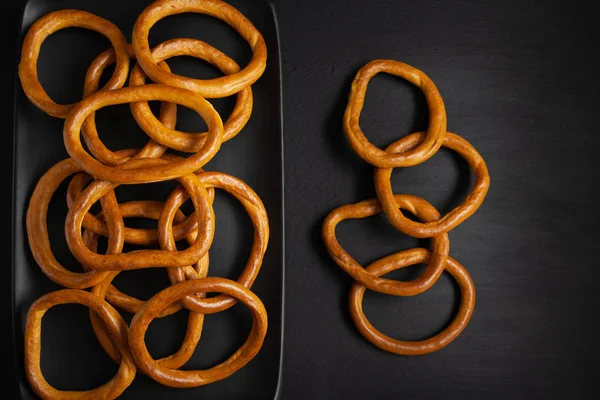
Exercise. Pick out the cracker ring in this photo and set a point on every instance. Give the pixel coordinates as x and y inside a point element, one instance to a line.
<point>140,258</point>
<point>258,215</point>
<point>37,230</point>
<point>118,333</point>
<point>143,174</point>
<point>212,88</point>
<point>175,360</point>
<point>383,186</point>
<point>401,260</point>
<point>186,379</point>
<point>366,208</point>
<point>46,26</point>
<point>136,236</point>
<point>167,135</point>
<point>168,115</point>
<point>140,236</point>
<point>105,289</point>
<point>140,209</point>
<point>115,226</point>
<point>437,116</point>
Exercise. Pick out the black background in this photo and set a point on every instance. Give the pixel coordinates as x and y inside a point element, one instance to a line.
<point>520,82</point>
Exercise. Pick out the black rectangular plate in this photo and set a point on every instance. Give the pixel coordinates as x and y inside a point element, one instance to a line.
<point>71,357</point>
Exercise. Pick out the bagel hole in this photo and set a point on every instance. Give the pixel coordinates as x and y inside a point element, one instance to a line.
<point>61,74</point>
<point>223,333</point>
<point>410,215</point>
<point>117,128</point>
<point>155,107</point>
<point>158,191</point>
<point>141,283</point>
<point>71,356</point>
<point>444,180</point>
<point>107,74</point>
<point>393,108</point>
<point>187,207</point>
<point>234,235</point>
<point>102,245</point>
<point>96,208</point>
<point>414,317</point>
<point>205,28</point>
<point>407,274</point>
<point>165,335</point>
<point>369,239</point>
<point>182,244</point>
<point>140,223</point>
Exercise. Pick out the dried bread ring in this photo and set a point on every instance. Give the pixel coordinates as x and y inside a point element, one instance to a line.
<point>366,208</point>
<point>114,324</point>
<point>212,88</point>
<point>167,135</point>
<point>383,186</point>
<point>139,209</point>
<point>139,236</point>
<point>37,230</point>
<point>175,360</point>
<point>401,260</point>
<point>168,115</point>
<point>140,258</point>
<point>187,379</point>
<point>142,174</point>
<point>437,116</point>
<point>258,215</point>
<point>46,26</point>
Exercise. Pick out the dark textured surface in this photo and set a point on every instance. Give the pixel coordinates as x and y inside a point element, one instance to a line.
<point>520,82</point>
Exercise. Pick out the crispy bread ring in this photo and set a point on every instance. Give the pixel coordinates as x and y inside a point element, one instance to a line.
<point>167,135</point>
<point>175,360</point>
<point>416,205</point>
<point>140,209</point>
<point>437,116</point>
<point>383,186</point>
<point>37,230</point>
<point>105,289</point>
<point>401,260</point>
<point>150,173</point>
<point>140,258</point>
<point>168,115</point>
<point>140,236</point>
<point>114,324</point>
<point>258,215</point>
<point>212,88</point>
<point>181,379</point>
<point>46,26</point>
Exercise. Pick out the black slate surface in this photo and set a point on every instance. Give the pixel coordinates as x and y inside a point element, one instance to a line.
<point>520,82</point>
